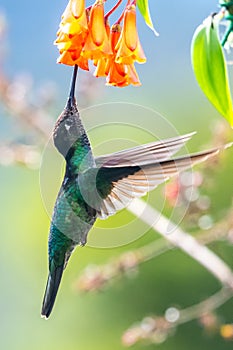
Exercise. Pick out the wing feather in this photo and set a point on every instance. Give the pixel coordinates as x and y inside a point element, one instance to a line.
<point>130,182</point>
<point>144,154</point>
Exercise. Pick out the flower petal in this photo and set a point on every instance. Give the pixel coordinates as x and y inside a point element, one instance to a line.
<point>128,46</point>
<point>77,7</point>
<point>96,24</point>
<point>130,29</point>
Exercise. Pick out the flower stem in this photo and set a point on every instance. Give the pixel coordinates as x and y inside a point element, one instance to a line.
<point>229,30</point>
<point>228,4</point>
<point>113,9</point>
<point>123,13</point>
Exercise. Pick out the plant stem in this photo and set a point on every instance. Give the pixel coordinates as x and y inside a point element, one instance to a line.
<point>213,302</point>
<point>113,9</point>
<point>184,241</point>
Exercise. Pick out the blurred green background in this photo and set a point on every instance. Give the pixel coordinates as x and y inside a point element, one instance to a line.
<point>97,321</point>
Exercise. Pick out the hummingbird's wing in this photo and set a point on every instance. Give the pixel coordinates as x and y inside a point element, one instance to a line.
<point>116,186</point>
<point>143,154</point>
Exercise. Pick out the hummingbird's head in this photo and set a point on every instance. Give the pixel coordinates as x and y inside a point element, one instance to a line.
<point>68,130</point>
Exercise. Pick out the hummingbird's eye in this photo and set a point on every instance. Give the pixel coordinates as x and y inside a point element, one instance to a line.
<point>67,126</point>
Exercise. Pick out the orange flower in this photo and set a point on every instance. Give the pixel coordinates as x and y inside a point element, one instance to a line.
<point>97,44</point>
<point>122,75</point>
<point>101,67</point>
<point>128,47</point>
<point>72,34</point>
<point>102,63</point>
<point>119,74</point>
<point>74,19</point>
<point>70,58</point>
<point>85,34</point>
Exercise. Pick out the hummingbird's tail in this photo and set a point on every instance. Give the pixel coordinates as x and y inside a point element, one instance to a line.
<point>52,286</point>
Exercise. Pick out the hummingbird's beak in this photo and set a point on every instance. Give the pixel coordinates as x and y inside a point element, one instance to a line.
<point>71,100</point>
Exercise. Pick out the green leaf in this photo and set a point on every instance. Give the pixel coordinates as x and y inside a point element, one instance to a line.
<point>143,7</point>
<point>210,68</point>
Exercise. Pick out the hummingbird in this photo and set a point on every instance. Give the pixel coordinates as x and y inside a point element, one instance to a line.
<point>98,187</point>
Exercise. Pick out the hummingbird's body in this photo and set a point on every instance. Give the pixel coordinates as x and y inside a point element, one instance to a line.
<point>98,187</point>
<point>72,216</point>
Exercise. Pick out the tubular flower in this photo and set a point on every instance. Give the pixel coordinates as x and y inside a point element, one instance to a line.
<point>97,44</point>
<point>122,75</point>
<point>128,47</point>
<point>70,50</point>
<point>72,34</point>
<point>84,34</point>
<point>119,74</point>
<point>74,19</point>
<point>101,63</point>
